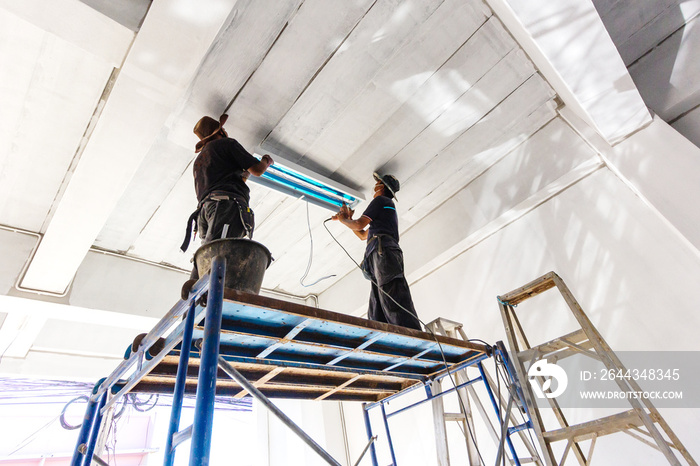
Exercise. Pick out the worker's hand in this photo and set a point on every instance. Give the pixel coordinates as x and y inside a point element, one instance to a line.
<point>346,211</point>
<point>342,213</point>
<point>267,159</point>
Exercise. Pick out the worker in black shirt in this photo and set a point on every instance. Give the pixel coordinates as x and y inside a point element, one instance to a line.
<point>220,170</point>
<point>390,300</point>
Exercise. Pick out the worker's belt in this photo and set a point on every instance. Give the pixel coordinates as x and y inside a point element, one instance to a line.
<point>192,220</point>
<point>379,237</point>
<point>365,264</point>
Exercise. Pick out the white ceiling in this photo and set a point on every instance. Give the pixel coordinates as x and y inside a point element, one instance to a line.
<point>97,141</point>
<point>423,89</point>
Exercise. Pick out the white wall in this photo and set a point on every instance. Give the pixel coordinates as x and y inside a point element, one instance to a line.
<point>629,271</point>
<point>534,171</point>
<point>624,246</point>
<point>278,445</point>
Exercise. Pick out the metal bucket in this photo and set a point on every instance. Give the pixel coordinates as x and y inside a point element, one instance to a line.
<point>246,262</point>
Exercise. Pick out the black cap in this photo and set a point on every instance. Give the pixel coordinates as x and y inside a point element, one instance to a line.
<point>389,181</point>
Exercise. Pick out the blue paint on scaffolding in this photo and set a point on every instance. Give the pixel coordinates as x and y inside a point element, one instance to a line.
<point>179,392</point>
<point>208,366</point>
<point>349,356</point>
<point>499,351</point>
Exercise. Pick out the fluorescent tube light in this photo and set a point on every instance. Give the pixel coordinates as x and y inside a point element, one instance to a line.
<point>296,181</point>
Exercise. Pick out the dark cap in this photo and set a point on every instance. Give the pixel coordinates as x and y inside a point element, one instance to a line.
<point>390,181</point>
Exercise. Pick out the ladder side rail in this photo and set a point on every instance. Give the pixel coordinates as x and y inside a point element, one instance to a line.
<point>525,440</point>
<point>180,382</point>
<point>564,423</point>
<point>611,361</point>
<point>170,343</point>
<point>508,311</point>
<point>507,315</point>
<point>442,451</point>
<point>463,394</point>
<point>206,383</point>
<point>368,428</point>
<point>86,428</point>
<point>510,369</point>
<point>151,337</point>
<point>388,434</point>
<point>95,431</point>
<point>108,418</point>
<point>655,416</point>
<point>501,420</point>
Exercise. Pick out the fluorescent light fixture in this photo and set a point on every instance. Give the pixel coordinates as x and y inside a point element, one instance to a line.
<point>296,181</point>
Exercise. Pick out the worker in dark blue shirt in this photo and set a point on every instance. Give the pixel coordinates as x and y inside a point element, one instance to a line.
<point>390,300</point>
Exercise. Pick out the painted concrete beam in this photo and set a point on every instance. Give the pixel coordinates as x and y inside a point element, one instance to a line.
<point>650,162</point>
<point>79,24</point>
<point>568,43</point>
<point>543,166</point>
<point>165,56</point>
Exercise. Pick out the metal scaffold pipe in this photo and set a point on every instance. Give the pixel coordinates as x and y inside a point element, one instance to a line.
<point>258,395</point>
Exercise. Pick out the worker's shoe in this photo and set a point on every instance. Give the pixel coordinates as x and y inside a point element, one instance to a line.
<point>186,288</point>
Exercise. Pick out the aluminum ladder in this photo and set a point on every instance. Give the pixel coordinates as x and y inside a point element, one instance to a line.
<point>642,421</point>
<point>469,401</point>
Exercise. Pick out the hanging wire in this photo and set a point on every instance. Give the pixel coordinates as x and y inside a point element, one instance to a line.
<point>62,416</point>
<point>442,354</point>
<point>139,405</point>
<point>311,252</point>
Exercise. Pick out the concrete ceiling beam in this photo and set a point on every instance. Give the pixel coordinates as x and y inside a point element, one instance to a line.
<point>162,62</point>
<point>568,43</point>
<point>79,25</point>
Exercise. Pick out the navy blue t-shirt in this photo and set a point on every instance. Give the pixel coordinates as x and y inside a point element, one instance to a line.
<point>219,167</point>
<point>383,219</point>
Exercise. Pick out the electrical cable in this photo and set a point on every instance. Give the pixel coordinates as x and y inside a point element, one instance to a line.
<point>62,416</point>
<point>137,404</point>
<point>442,354</point>
<point>311,253</point>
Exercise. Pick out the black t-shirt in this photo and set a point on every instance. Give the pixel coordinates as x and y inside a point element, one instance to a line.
<point>219,167</point>
<point>383,219</point>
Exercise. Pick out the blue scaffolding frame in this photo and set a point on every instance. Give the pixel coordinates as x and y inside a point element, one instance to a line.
<point>501,415</point>
<point>320,354</point>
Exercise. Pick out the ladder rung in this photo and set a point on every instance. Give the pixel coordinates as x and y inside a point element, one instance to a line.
<point>578,337</point>
<point>179,437</point>
<point>454,417</point>
<point>599,427</point>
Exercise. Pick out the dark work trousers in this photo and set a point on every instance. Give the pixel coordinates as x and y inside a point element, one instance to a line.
<point>223,216</point>
<point>385,265</point>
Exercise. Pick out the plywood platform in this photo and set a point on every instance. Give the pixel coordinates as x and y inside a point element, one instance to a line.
<point>293,351</point>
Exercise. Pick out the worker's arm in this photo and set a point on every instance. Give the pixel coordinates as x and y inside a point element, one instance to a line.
<point>259,168</point>
<point>362,234</point>
<point>358,226</point>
